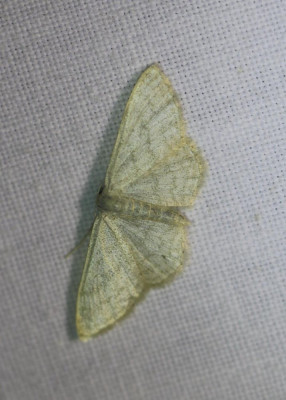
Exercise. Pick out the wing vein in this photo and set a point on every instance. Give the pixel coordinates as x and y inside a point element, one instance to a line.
<point>116,233</point>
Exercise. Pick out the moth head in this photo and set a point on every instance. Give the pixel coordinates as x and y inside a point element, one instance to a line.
<point>100,190</point>
<point>99,194</point>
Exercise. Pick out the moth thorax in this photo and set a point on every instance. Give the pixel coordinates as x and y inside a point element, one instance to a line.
<point>108,203</point>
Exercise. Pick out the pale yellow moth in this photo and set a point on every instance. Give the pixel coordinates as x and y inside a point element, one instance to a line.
<point>139,236</point>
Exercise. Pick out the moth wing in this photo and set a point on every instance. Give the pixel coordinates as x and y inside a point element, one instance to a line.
<point>157,247</point>
<point>173,182</point>
<point>111,281</point>
<point>152,159</point>
<point>124,256</point>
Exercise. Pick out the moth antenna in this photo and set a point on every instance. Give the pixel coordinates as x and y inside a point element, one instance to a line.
<point>79,243</point>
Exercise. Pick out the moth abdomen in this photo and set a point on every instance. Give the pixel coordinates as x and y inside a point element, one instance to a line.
<point>131,208</point>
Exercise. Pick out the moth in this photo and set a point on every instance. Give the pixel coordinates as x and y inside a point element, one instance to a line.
<point>139,235</point>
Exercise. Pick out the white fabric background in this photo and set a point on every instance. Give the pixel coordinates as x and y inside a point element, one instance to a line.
<point>68,67</point>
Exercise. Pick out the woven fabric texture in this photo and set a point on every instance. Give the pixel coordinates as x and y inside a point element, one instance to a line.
<point>67,69</point>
